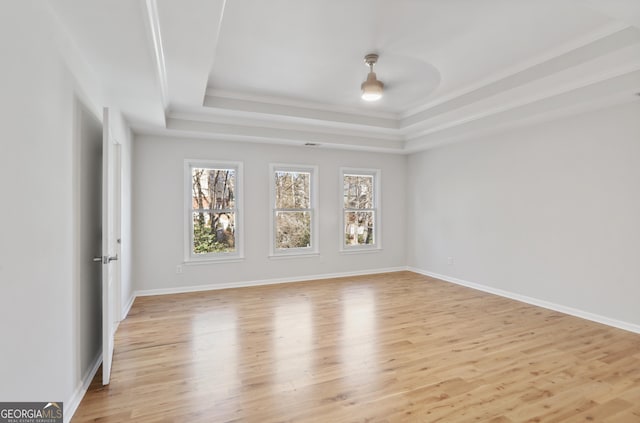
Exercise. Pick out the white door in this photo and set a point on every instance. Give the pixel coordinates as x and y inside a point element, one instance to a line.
<point>110,243</point>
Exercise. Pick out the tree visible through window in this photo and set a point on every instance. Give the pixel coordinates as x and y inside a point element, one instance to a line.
<point>359,208</point>
<point>292,209</point>
<point>213,210</point>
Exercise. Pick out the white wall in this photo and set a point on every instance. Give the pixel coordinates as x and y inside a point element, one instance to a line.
<point>125,137</point>
<point>550,211</point>
<point>36,268</point>
<point>158,192</point>
<point>41,78</point>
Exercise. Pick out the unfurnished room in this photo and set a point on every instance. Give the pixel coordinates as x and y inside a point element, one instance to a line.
<point>320,211</point>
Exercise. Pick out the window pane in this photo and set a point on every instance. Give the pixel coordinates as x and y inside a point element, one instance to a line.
<point>213,189</point>
<point>358,191</point>
<point>359,228</point>
<point>214,233</point>
<point>293,229</point>
<point>292,190</point>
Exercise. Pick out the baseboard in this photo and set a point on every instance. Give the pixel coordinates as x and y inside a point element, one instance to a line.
<point>71,406</point>
<point>184,289</point>
<point>534,301</point>
<point>127,308</point>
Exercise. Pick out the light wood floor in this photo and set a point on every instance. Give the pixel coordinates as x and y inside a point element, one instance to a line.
<point>396,347</point>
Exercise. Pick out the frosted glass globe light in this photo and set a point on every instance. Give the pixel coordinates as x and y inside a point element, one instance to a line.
<point>371,88</point>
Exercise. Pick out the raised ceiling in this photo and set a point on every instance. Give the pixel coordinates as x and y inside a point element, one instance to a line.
<point>287,71</point>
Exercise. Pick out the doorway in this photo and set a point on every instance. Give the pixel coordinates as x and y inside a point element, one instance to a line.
<point>88,293</point>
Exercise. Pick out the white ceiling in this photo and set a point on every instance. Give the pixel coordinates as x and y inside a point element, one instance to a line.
<point>289,71</point>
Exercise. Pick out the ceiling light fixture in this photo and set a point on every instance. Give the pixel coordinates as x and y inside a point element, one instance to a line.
<point>371,88</point>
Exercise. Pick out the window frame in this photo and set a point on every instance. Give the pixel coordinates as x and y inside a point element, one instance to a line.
<point>313,249</point>
<point>189,256</point>
<point>377,211</point>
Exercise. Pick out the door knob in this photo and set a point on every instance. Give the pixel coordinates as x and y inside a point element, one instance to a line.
<point>105,259</point>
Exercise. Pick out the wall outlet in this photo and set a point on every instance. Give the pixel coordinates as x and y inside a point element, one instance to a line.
<point>450,261</point>
<point>179,269</point>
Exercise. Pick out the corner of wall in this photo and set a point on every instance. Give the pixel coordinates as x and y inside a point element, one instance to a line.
<point>533,301</point>
<point>77,395</point>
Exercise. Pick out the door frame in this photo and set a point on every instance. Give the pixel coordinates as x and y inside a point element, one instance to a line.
<point>111,245</point>
<point>80,109</point>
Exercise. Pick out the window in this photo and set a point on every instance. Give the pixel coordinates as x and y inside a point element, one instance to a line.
<point>293,203</point>
<point>360,214</point>
<point>213,210</point>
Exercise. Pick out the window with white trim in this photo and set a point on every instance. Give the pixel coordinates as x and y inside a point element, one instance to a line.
<point>213,220</point>
<point>293,205</point>
<point>360,209</point>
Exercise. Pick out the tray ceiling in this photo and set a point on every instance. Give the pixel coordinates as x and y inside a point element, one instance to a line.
<point>286,71</point>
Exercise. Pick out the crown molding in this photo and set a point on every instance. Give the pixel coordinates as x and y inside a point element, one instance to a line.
<point>270,110</point>
<point>609,77</point>
<point>485,128</point>
<point>561,50</point>
<point>213,53</point>
<point>534,78</point>
<point>228,102</point>
<point>244,132</point>
<point>257,120</point>
<point>600,69</point>
<point>282,101</point>
<point>595,96</point>
<point>615,86</point>
<point>536,71</point>
<point>156,43</point>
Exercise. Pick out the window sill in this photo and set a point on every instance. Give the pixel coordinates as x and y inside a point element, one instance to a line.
<point>292,256</point>
<point>201,262</point>
<point>360,250</point>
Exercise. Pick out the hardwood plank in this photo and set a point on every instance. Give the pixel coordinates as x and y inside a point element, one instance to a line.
<point>384,348</point>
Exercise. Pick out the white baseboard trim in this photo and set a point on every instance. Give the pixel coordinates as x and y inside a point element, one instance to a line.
<point>71,406</point>
<point>534,301</point>
<point>184,289</point>
<point>127,308</point>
